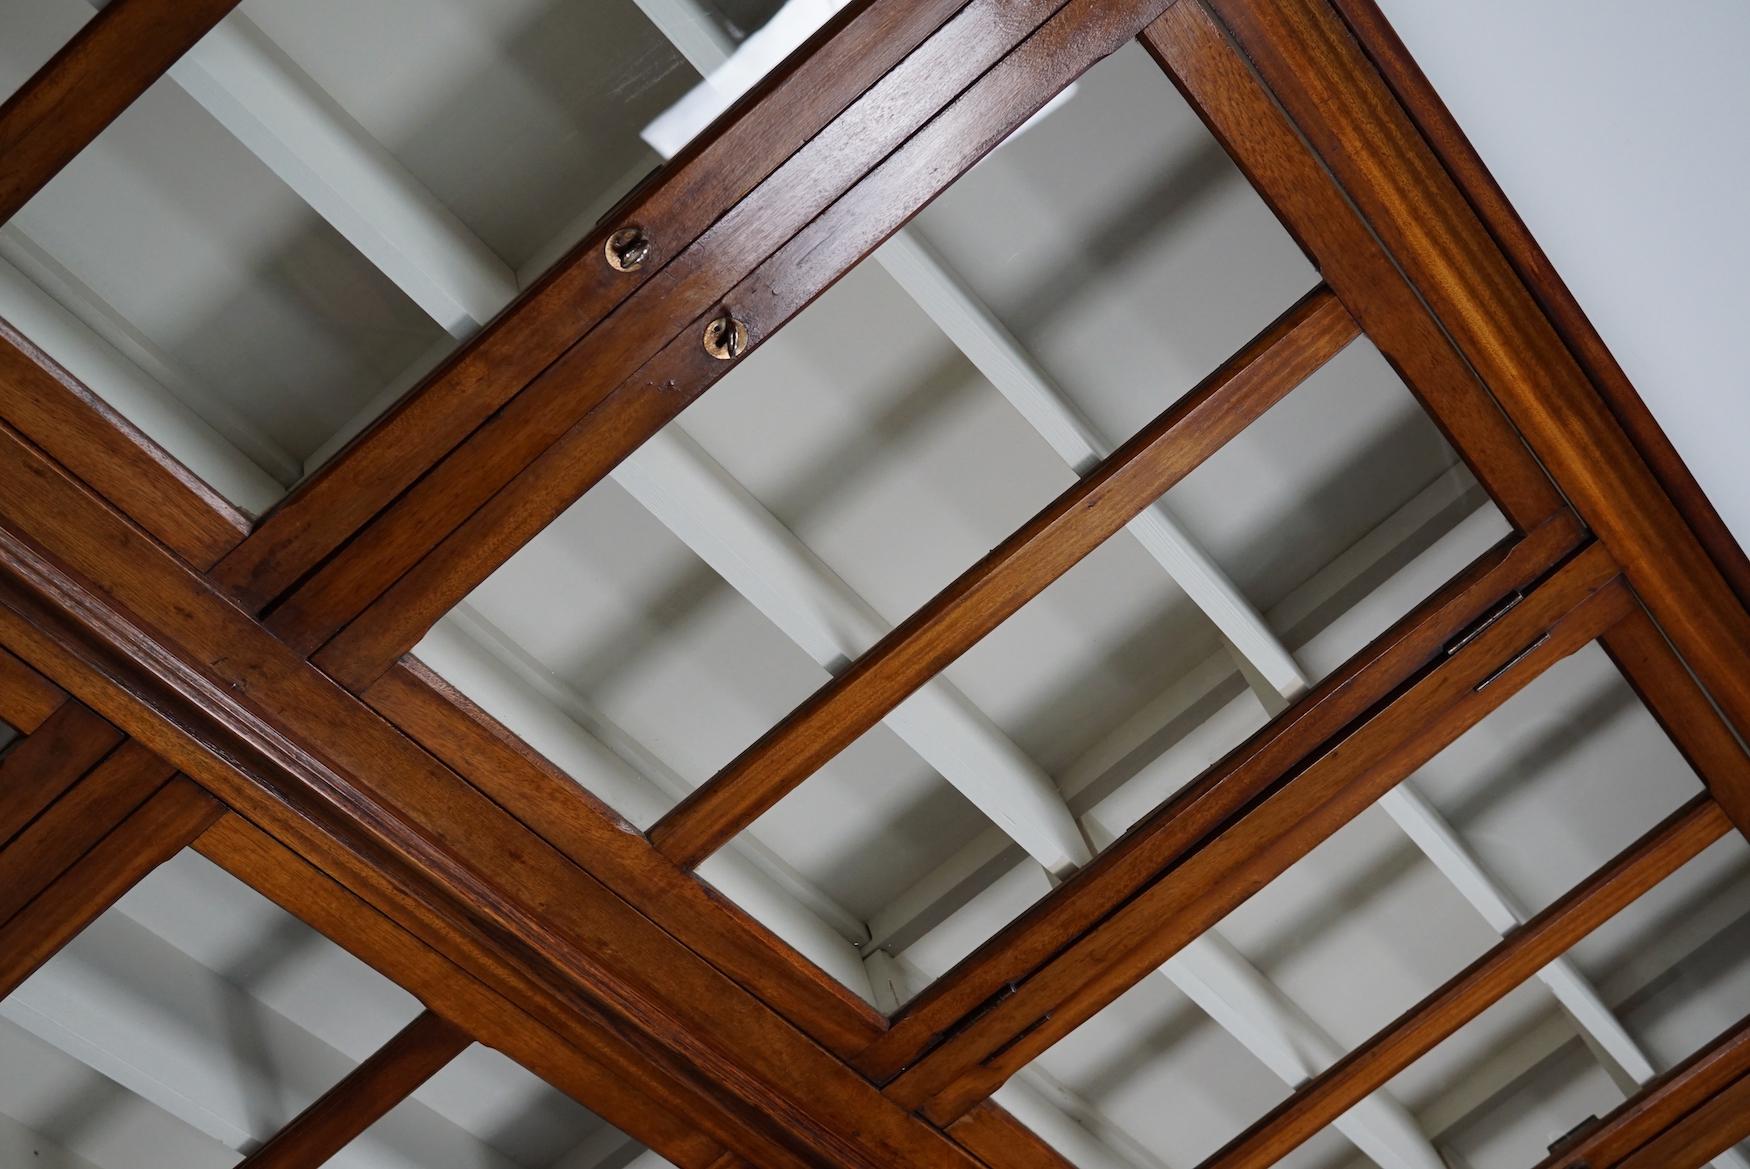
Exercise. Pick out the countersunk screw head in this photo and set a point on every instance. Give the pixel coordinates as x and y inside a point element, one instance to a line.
<point>627,249</point>
<point>725,337</point>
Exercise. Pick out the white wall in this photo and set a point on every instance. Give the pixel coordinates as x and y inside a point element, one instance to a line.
<point>1621,132</point>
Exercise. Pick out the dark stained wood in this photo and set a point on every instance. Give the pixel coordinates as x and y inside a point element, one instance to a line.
<point>594,837</point>
<point>999,1139</point>
<point>417,1053</point>
<point>1701,1136</point>
<point>1267,757</point>
<point>977,121</point>
<point>157,831</point>
<point>442,851</point>
<point>1660,1105</point>
<point>1269,835</point>
<point>1466,167</point>
<point>47,405</point>
<point>35,772</point>
<point>1019,569</point>
<point>27,698</point>
<point>1307,56</point>
<point>1519,956</point>
<point>1646,659</point>
<point>1245,118</point>
<point>74,823</point>
<point>597,1070</point>
<point>659,305</point>
<point>111,61</point>
<point>438,856</point>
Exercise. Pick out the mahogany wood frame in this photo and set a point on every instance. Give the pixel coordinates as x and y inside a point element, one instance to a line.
<point>183,676</point>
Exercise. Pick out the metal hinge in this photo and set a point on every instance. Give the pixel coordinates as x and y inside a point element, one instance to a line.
<point>1476,628</point>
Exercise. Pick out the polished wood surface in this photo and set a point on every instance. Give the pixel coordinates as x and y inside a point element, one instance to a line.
<point>1665,685</point>
<point>1388,54</point>
<point>156,831</point>
<point>1479,986</point>
<point>597,1067</point>
<point>34,773</point>
<point>1302,50</point>
<point>1660,1107</point>
<point>146,630</point>
<point>371,802</point>
<point>1701,1136</point>
<point>418,1052</point>
<point>675,207</point>
<point>1267,757</point>
<point>1023,566</point>
<point>1000,1139</point>
<point>74,823</point>
<point>48,406</point>
<point>569,463</point>
<point>27,698</point>
<point>1258,845</point>
<point>582,388</point>
<point>1221,84</point>
<point>594,837</point>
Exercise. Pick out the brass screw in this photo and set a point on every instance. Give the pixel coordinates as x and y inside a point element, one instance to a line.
<point>725,337</point>
<point>627,249</point>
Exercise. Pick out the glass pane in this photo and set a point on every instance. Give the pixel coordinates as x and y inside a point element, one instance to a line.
<point>1511,1083</point>
<point>1671,973</point>
<point>908,421</point>
<point>1523,807</point>
<point>322,199</point>
<point>1154,1079</point>
<point>483,1111</point>
<point>185,1026</point>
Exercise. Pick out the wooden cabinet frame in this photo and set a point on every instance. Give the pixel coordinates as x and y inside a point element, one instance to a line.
<point>240,687</point>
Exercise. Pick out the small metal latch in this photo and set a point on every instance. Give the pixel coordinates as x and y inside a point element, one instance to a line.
<point>725,337</point>
<point>1476,628</point>
<point>627,249</point>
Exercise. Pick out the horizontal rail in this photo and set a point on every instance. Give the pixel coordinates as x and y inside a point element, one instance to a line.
<point>1049,545</point>
<point>1548,935</point>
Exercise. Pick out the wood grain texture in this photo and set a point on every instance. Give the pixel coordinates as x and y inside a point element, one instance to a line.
<point>595,1068</point>
<point>111,61</point>
<point>155,832</point>
<point>1519,956</point>
<point>1268,756</point>
<point>975,123</point>
<point>1305,53</point>
<point>75,822</point>
<point>1437,125</point>
<point>1244,116</point>
<point>1701,1136</point>
<point>27,698</point>
<point>658,303</point>
<point>1019,569</point>
<point>426,846</point>
<point>594,837</point>
<point>1660,1105</point>
<point>417,1053</point>
<point>1665,685</point>
<point>35,772</point>
<point>999,1139</point>
<point>1262,841</point>
<point>50,407</point>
